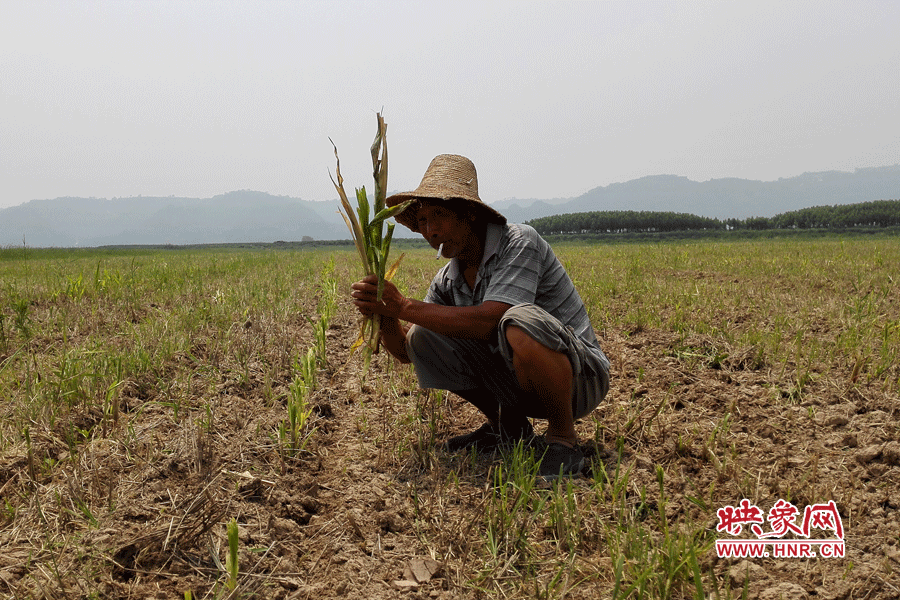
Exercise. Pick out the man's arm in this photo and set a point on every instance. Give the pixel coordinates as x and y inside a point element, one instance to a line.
<point>393,337</point>
<point>471,322</point>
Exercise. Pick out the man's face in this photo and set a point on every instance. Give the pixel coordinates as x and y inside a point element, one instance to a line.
<point>440,224</point>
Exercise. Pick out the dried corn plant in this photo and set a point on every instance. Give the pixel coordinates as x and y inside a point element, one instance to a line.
<point>372,242</point>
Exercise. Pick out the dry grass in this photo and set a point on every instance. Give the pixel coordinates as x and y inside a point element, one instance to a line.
<point>144,394</point>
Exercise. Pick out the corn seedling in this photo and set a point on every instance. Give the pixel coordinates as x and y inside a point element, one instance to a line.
<point>299,409</point>
<point>372,243</point>
<point>320,328</point>
<point>307,368</point>
<point>231,559</point>
<point>327,301</point>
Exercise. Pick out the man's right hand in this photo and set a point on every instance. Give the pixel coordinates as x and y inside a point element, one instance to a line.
<point>393,333</point>
<point>365,297</point>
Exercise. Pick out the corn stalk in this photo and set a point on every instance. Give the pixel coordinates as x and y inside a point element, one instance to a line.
<point>372,242</point>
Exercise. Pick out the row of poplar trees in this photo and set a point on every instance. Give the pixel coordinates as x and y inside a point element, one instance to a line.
<point>880,213</point>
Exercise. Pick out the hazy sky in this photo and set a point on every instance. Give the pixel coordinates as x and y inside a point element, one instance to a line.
<point>549,99</point>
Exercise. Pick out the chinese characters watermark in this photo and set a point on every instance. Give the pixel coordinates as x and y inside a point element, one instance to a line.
<point>782,520</point>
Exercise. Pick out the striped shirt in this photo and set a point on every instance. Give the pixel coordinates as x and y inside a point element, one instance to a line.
<point>518,267</point>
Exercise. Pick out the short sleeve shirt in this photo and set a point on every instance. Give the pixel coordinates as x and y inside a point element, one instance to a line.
<point>518,267</point>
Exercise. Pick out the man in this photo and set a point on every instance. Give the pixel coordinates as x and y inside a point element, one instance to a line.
<point>502,325</point>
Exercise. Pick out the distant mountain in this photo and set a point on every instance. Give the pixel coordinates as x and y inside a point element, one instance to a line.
<point>249,216</point>
<point>735,198</point>
<point>242,216</point>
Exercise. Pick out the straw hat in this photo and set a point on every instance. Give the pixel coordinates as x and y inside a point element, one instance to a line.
<point>450,178</point>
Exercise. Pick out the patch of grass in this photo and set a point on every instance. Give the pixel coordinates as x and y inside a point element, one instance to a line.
<point>160,370</point>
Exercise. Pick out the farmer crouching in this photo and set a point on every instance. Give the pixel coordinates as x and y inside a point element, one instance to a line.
<point>502,325</point>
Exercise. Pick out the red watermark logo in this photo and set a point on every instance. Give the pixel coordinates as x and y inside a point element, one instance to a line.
<point>782,519</point>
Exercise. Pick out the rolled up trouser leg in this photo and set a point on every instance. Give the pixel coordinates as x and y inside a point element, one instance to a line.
<point>471,368</point>
<point>590,367</point>
<point>442,362</point>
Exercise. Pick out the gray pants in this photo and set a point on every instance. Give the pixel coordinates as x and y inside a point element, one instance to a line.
<point>461,365</point>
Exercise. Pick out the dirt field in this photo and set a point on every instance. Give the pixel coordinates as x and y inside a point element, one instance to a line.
<point>137,506</point>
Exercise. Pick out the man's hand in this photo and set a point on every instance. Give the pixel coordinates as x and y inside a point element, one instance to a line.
<point>393,333</point>
<point>365,297</point>
<point>470,322</point>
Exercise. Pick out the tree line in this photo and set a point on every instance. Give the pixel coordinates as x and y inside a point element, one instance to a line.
<point>879,213</point>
